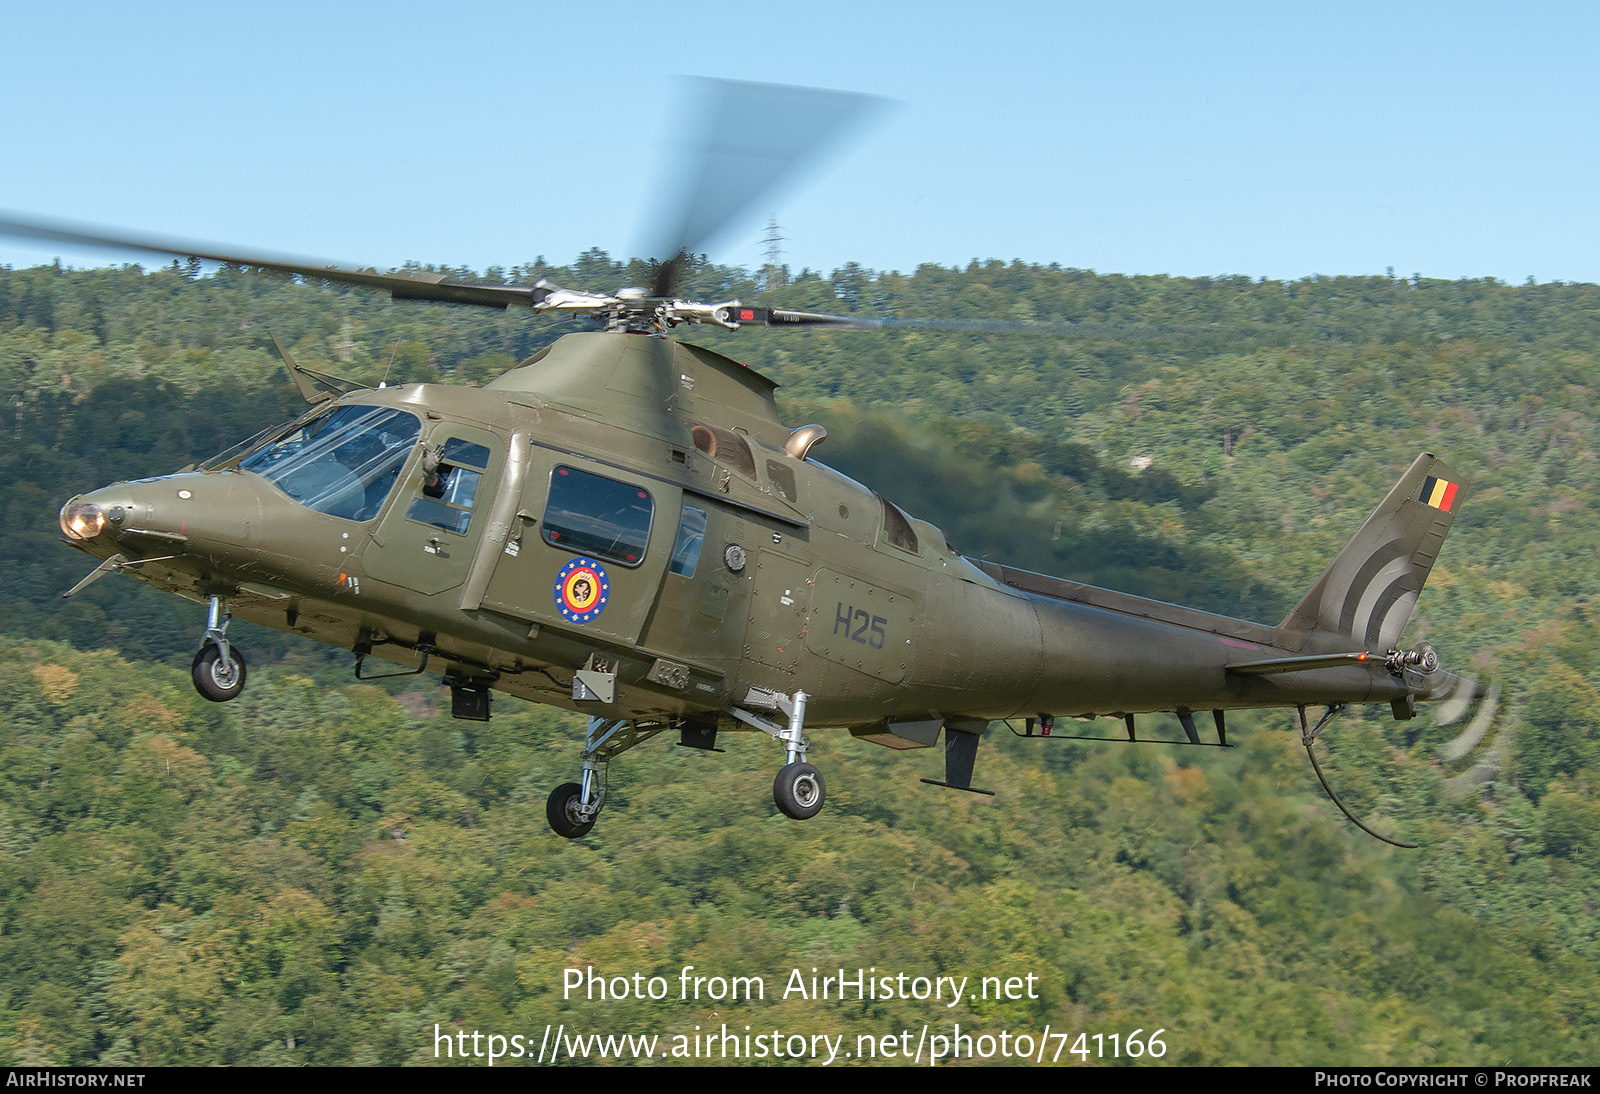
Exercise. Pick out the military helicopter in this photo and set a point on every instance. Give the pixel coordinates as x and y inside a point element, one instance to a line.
<point>623,526</point>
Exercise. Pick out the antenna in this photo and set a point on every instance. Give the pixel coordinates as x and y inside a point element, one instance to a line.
<point>773,273</point>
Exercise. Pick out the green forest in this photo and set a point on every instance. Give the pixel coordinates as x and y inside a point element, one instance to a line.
<point>329,872</point>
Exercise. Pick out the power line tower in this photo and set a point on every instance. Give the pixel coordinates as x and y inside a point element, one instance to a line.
<point>774,275</point>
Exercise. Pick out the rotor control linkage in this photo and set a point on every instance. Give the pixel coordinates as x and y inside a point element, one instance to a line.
<point>1424,658</point>
<point>218,669</point>
<point>798,791</point>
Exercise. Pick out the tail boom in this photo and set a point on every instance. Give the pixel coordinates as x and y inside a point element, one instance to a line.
<point>1338,645</point>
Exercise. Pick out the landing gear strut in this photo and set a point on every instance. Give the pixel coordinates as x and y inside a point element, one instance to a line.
<point>573,807</point>
<point>798,790</point>
<point>219,670</point>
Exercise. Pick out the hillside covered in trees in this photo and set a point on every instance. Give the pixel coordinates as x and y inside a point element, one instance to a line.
<point>325,871</point>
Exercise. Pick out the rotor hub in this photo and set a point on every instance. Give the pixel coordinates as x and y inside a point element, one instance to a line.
<point>634,311</point>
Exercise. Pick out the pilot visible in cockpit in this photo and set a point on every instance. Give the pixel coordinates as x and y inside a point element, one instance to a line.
<point>363,456</point>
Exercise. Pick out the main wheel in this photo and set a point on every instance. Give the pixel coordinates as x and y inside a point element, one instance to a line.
<point>562,812</point>
<point>798,790</point>
<point>216,679</point>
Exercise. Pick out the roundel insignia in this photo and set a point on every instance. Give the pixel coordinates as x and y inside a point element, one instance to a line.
<point>582,590</point>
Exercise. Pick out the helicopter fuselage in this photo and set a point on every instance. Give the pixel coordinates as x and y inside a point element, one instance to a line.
<point>632,507</point>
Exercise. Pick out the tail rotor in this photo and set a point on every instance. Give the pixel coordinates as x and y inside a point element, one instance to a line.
<point>1479,706</point>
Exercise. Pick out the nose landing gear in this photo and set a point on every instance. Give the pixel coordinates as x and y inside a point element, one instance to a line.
<point>573,807</point>
<point>219,669</point>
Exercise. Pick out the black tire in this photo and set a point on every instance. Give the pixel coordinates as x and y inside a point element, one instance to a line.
<point>562,812</point>
<point>799,791</point>
<point>215,680</point>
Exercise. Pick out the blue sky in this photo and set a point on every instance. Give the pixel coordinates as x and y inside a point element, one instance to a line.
<point>1279,140</point>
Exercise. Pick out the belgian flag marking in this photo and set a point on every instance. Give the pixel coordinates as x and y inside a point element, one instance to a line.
<point>1439,493</point>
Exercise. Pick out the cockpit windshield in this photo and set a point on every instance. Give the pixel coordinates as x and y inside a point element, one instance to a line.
<point>344,463</point>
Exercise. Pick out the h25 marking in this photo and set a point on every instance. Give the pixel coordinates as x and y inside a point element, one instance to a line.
<point>860,626</point>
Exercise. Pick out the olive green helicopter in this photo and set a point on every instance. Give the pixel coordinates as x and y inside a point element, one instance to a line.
<point>623,526</point>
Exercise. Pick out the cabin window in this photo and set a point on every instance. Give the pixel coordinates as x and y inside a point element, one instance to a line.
<point>343,463</point>
<point>897,528</point>
<point>591,515</point>
<point>691,537</point>
<point>448,494</point>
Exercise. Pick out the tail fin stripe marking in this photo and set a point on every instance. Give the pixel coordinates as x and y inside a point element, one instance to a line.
<point>1368,591</point>
<point>1387,585</point>
<point>1394,620</point>
<point>1373,569</point>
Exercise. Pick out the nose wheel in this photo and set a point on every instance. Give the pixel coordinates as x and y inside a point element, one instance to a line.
<point>219,676</point>
<point>218,670</point>
<point>572,808</point>
<point>565,813</point>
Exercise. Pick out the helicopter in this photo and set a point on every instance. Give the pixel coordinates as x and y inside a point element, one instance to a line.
<point>623,526</point>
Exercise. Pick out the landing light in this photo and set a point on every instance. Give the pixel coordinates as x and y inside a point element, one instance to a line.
<point>82,520</point>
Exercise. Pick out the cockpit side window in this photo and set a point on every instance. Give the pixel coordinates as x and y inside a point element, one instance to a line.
<point>344,463</point>
<point>450,489</point>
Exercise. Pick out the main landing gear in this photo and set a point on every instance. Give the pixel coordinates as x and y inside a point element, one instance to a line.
<point>219,670</point>
<point>798,790</point>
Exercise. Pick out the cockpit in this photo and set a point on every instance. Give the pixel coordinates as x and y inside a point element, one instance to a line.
<point>343,463</point>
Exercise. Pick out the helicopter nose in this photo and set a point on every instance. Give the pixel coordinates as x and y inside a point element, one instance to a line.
<point>190,513</point>
<point>104,516</point>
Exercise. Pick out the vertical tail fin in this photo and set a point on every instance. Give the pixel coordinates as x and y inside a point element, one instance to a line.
<point>1369,590</point>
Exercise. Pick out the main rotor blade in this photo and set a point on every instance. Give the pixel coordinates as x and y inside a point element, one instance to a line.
<point>785,318</point>
<point>410,285</point>
<point>756,138</point>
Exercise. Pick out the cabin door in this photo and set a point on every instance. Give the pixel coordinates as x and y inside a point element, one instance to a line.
<point>588,548</point>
